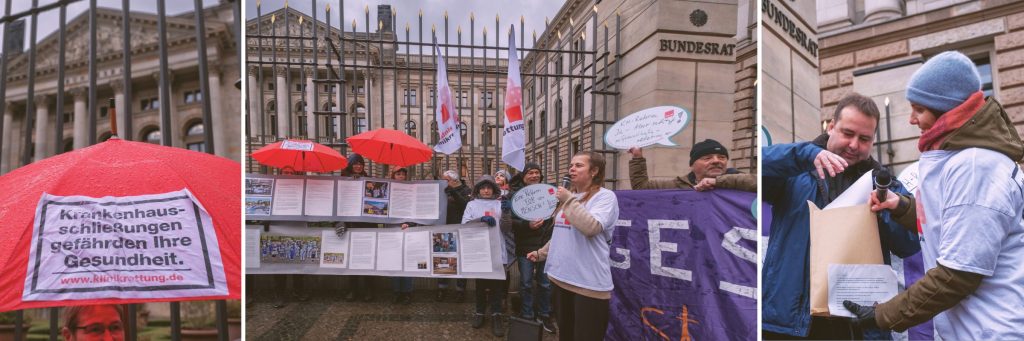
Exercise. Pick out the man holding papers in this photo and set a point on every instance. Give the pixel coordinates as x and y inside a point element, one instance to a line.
<point>969,210</point>
<point>819,171</point>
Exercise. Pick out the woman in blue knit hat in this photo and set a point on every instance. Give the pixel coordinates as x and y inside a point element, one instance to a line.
<point>970,211</point>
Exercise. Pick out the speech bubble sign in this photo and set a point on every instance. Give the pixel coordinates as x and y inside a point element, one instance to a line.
<point>535,202</point>
<point>647,127</point>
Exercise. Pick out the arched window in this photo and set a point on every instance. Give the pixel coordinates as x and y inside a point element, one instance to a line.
<point>152,135</point>
<point>410,128</point>
<point>433,132</point>
<point>195,137</point>
<point>543,122</point>
<point>359,120</point>
<point>300,115</point>
<point>330,122</point>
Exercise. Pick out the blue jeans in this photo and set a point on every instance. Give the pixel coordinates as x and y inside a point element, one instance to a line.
<point>401,284</point>
<point>528,271</point>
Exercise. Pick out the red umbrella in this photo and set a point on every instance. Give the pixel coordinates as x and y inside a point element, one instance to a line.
<point>94,175</point>
<point>301,156</point>
<point>390,147</point>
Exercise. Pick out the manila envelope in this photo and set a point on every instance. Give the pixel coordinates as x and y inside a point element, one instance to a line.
<point>844,235</point>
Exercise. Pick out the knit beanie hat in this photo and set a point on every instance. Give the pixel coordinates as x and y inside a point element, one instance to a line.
<point>355,158</point>
<point>944,82</point>
<point>707,147</point>
<point>531,165</point>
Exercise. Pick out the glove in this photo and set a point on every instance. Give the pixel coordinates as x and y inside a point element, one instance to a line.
<point>865,315</point>
<point>489,220</point>
<point>506,205</point>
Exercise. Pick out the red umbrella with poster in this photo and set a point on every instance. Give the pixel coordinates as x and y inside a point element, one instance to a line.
<point>390,147</point>
<point>120,222</point>
<point>300,156</point>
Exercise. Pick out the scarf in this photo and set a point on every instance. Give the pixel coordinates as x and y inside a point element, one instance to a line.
<point>949,122</point>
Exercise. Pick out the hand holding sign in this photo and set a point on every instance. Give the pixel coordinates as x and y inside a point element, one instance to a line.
<point>647,127</point>
<point>534,202</point>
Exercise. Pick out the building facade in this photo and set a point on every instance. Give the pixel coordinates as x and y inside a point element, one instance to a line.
<point>389,82</point>
<point>187,127</point>
<point>697,55</point>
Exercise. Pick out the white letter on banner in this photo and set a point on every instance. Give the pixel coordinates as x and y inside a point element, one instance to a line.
<point>730,242</point>
<point>654,227</point>
<point>624,264</point>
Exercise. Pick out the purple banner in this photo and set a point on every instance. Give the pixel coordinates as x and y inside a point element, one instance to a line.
<point>684,267</point>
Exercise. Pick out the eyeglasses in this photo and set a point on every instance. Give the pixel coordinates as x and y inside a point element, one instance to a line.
<point>98,329</point>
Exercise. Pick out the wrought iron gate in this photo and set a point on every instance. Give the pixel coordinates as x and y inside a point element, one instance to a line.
<point>308,79</point>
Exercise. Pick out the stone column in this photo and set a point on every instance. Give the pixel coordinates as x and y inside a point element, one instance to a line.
<point>311,105</point>
<point>174,129</point>
<point>283,101</point>
<point>878,10</point>
<point>337,118</point>
<point>81,119</point>
<point>5,152</point>
<point>122,128</point>
<point>42,123</point>
<point>220,135</point>
<point>255,97</point>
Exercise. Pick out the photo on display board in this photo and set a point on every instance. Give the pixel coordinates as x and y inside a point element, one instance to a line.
<point>257,205</point>
<point>376,190</point>
<point>375,208</point>
<point>259,186</point>
<point>289,249</point>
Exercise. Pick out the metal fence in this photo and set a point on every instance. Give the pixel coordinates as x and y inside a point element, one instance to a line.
<point>308,79</point>
<point>13,28</point>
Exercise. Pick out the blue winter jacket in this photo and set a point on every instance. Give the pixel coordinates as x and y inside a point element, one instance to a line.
<point>789,181</point>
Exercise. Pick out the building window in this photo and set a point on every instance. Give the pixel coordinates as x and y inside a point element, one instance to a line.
<point>431,98</point>
<point>330,122</point>
<point>529,129</point>
<point>104,111</point>
<point>272,111</point>
<point>558,65</point>
<point>533,90</point>
<point>577,102</point>
<point>558,113</point>
<point>433,132</point>
<point>299,87</point>
<point>487,100</point>
<point>194,137</point>
<point>193,96</point>
<point>410,97</point>
<point>544,122</point>
<point>984,65</point>
<point>578,45</point>
<point>359,120</point>
<point>153,136</point>
<point>358,89</point>
<point>463,97</point>
<point>330,88</point>
<point>270,85</point>
<point>300,106</point>
<point>410,128</point>
<point>575,147</point>
<point>302,125</point>
<point>68,117</point>
<point>150,104</point>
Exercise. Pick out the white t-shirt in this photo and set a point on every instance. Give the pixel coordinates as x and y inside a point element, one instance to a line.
<point>578,260</point>
<point>971,212</point>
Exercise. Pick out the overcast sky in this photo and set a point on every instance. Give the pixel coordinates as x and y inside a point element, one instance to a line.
<point>533,11</point>
<point>49,20</point>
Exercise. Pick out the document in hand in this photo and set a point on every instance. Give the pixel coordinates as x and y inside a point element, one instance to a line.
<point>845,235</point>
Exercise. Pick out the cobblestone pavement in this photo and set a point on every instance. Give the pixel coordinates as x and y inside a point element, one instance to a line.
<point>329,317</point>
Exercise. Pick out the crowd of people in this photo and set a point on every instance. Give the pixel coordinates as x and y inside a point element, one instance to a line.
<point>562,261</point>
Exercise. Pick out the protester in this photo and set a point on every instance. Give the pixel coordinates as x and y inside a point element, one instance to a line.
<point>486,207</point>
<point>577,255</point>
<point>529,236</point>
<point>501,178</point>
<point>402,286</point>
<point>969,205</point>
<point>709,170</point>
<point>356,167</point>
<point>93,322</point>
<point>819,171</point>
<point>458,196</point>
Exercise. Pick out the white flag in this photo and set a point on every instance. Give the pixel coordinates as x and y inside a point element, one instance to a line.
<point>513,140</point>
<point>449,136</point>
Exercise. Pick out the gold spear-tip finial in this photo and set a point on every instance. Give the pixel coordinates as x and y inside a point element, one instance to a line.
<point>595,8</point>
<point>445,14</point>
<point>571,23</point>
<point>258,3</point>
<point>285,3</point>
<point>328,7</point>
<point>353,25</point>
<point>421,12</point>
<point>886,100</point>
<point>406,27</point>
<point>380,24</point>
<point>485,31</point>
<point>471,16</point>
<point>497,17</point>
<point>458,29</point>
<point>559,34</point>
<point>433,28</point>
<point>366,9</point>
<point>300,21</point>
<point>273,18</point>
<point>394,11</point>
<point>584,35</point>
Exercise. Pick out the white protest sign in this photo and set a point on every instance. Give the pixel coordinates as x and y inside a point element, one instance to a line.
<point>534,202</point>
<point>910,177</point>
<point>146,246</point>
<point>647,127</point>
<point>297,145</point>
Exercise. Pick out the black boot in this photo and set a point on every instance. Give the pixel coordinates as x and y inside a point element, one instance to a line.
<point>497,325</point>
<point>477,321</point>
